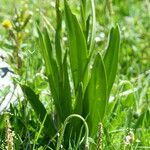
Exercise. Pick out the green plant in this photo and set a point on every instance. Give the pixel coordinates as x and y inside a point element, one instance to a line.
<point>34,122</point>
<point>80,78</point>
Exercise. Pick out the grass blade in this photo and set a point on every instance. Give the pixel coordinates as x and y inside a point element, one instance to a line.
<point>58,34</point>
<point>91,42</point>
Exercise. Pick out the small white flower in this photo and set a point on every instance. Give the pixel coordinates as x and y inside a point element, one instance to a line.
<point>31,13</point>
<point>129,138</point>
<point>58,134</point>
<point>26,31</point>
<point>37,9</point>
<point>17,24</point>
<point>15,17</point>
<point>97,39</point>
<point>21,23</point>
<point>65,39</point>
<point>102,35</point>
<point>26,6</point>
<point>52,4</point>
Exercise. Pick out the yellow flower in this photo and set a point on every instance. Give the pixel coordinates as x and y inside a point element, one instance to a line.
<point>7,24</point>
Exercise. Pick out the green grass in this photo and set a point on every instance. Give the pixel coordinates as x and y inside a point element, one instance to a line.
<point>83,72</point>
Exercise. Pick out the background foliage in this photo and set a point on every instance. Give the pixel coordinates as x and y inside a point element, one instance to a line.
<point>126,123</point>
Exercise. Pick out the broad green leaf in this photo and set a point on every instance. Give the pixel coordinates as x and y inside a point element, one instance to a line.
<point>57,76</point>
<point>96,95</point>
<point>50,57</point>
<point>44,52</point>
<point>65,90</point>
<point>77,46</point>
<point>51,68</point>
<point>61,80</point>
<point>39,109</point>
<point>111,56</point>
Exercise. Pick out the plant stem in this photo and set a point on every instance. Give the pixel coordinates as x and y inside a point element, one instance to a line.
<point>64,126</point>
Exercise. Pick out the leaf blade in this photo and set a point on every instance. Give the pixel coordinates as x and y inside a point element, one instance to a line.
<point>111,56</point>
<point>77,46</point>
<point>96,95</point>
<point>39,109</point>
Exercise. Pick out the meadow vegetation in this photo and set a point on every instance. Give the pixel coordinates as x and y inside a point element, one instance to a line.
<point>78,75</point>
